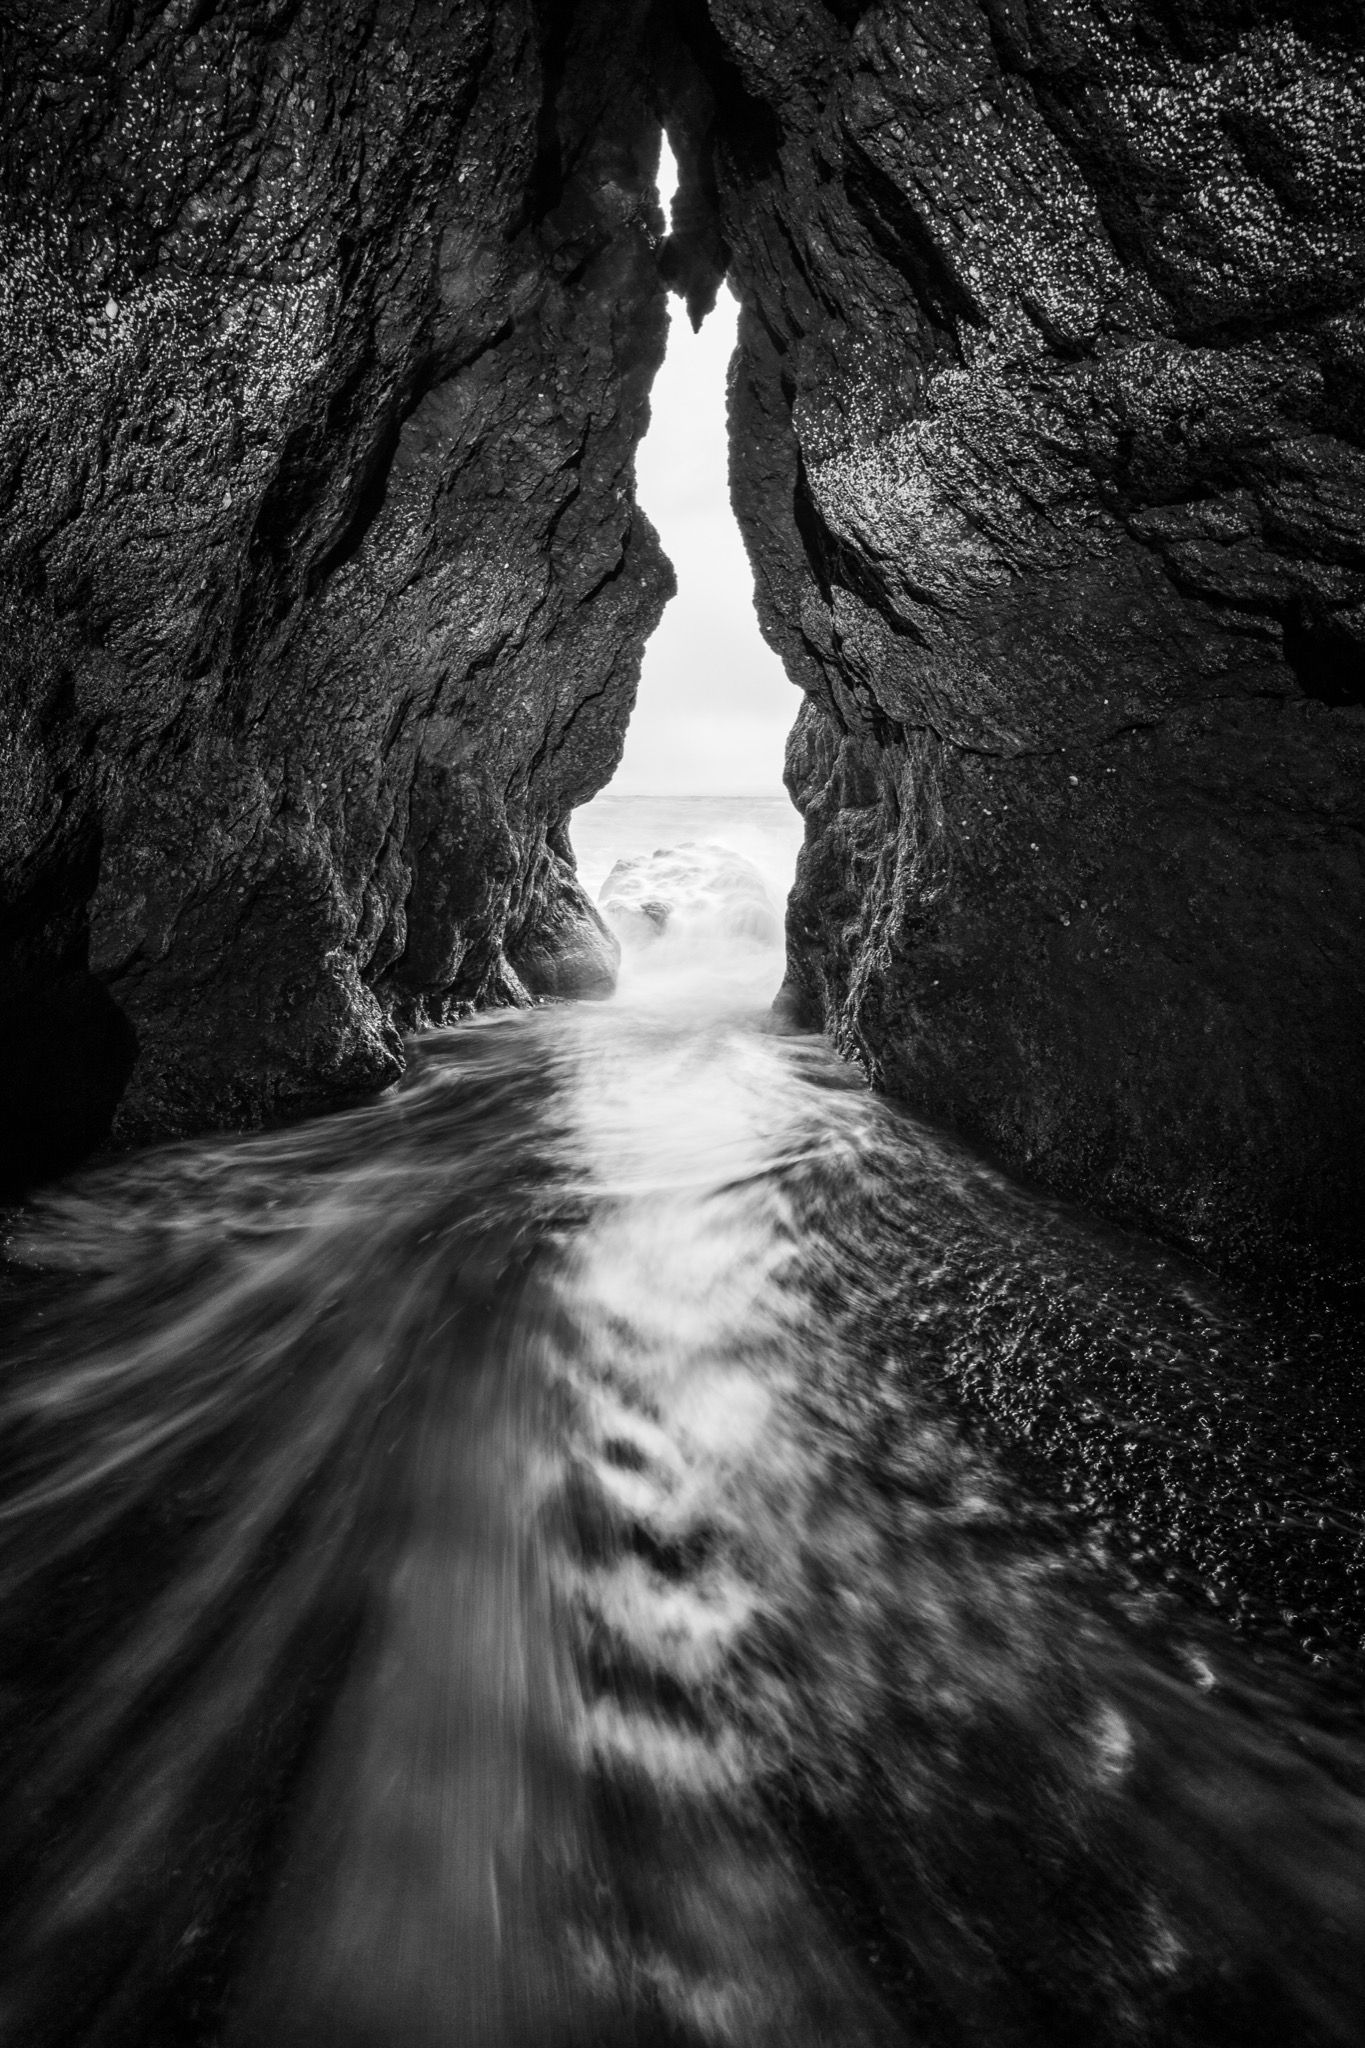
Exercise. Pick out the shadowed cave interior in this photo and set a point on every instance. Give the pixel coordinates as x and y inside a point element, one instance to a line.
<point>759,1476</point>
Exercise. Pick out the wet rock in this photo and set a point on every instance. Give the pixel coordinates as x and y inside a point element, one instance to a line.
<point>1048,443</point>
<point>702,896</point>
<point>327,340</point>
<point>566,947</point>
<point>637,916</point>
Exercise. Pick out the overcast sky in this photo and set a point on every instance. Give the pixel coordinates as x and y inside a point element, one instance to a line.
<point>715,705</point>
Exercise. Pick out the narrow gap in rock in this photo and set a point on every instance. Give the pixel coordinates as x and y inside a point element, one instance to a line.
<point>696,811</point>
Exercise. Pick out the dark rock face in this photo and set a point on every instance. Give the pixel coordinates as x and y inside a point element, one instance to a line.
<point>1049,447</point>
<point>327,335</point>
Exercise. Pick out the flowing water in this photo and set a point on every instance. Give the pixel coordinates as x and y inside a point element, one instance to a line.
<point>629,1539</point>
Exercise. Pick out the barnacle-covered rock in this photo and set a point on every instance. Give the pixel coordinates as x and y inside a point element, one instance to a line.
<point>326,336</point>
<point>1049,448</point>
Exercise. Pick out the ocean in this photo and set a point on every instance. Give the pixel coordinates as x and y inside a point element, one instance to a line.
<point>629,1539</point>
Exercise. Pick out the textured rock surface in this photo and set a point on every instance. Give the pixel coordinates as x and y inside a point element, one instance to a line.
<point>326,334</point>
<point>1048,449</point>
<point>325,341</point>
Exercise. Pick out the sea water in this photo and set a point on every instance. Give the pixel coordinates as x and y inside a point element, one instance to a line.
<point>629,1538</point>
<point>763,829</point>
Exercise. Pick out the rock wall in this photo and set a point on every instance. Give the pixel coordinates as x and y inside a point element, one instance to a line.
<point>325,341</point>
<point>1047,443</point>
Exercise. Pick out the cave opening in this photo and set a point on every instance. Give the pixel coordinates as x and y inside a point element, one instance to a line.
<point>704,748</point>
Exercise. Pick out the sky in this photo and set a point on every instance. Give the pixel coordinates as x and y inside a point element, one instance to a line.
<point>715,705</point>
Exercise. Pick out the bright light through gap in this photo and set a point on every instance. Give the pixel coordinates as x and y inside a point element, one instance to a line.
<point>715,705</point>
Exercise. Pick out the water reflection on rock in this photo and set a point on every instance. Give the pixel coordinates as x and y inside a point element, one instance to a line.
<point>629,1539</point>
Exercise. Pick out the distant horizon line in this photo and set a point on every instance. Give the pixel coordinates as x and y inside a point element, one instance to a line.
<point>780,791</point>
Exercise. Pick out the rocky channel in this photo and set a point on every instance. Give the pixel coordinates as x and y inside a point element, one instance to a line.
<point>327,340</point>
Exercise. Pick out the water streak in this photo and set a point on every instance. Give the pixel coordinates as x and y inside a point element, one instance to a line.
<point>630,1539</point>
